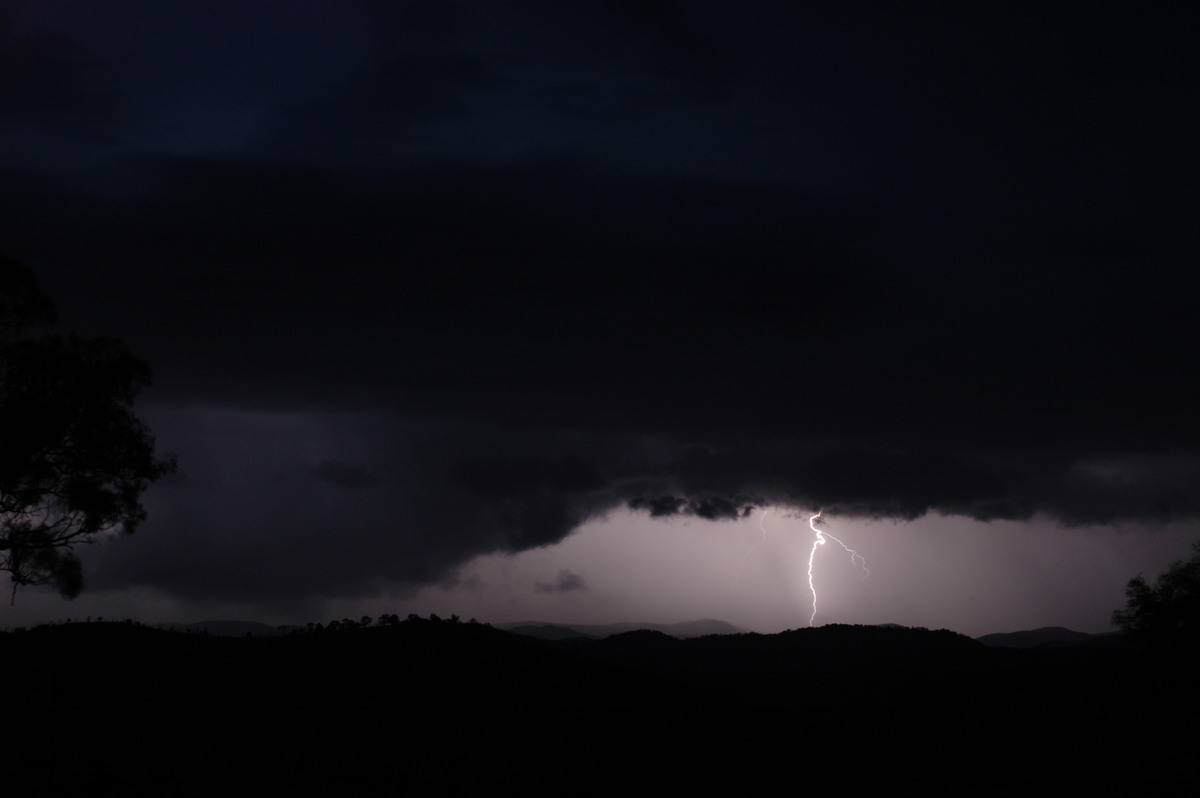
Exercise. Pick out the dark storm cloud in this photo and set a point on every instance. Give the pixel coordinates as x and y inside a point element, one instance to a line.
<point>373,110</point>
<point>553,260</point>
<point>727,483</point>
<point>45,77</point>
<point>402,515</point>
<point>460,279</point>
<point>431,506</point>
<point>346,475</point>
<point>973,388</point>
<point>668,41</point>
<point>659,506</point>
<point>709,507</point>
<point>535,501</point>
<point>854,481</point>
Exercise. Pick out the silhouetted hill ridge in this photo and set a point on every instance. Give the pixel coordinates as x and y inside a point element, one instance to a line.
<point>512,705</point>
<point>1043,636</point>
<point>706,626</point>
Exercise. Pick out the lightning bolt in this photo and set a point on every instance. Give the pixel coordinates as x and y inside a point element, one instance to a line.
<point>819,540</point>
<point>763,529</point>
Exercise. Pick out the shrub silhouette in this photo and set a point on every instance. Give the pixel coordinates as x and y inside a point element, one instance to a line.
<point>1167,612</point>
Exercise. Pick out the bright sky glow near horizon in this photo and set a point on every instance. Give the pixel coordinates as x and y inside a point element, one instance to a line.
<point>937,572</point>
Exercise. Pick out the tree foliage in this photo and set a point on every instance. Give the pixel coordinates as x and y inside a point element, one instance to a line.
<point>1167,612</point>
<point>74,459</point>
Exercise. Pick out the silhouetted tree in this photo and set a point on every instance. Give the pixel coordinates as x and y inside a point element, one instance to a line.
<point>74,459</point>
<point>1167,612</point>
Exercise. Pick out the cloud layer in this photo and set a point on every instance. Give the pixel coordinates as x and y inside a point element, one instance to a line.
<point>426,282</point>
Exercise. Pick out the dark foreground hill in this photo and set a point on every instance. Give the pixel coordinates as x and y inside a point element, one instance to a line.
<point>456,706</point>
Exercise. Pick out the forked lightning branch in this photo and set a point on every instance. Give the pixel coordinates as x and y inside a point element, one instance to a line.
<point>819,540</point>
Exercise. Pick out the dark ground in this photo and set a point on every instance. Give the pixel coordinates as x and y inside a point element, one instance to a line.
<point>461,707</point>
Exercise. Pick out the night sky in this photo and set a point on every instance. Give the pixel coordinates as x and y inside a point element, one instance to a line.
<point>578,311</point>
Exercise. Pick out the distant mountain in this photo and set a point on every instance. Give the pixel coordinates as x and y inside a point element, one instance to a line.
<point>551,631</point>
<point>1035,638</point>
<point>232,628</point>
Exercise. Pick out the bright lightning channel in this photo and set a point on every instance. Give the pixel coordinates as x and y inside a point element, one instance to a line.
<point>855,557</point>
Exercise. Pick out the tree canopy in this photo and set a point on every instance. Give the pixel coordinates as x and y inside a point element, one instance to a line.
<point>1167,612</point>
<point>74,458</point>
